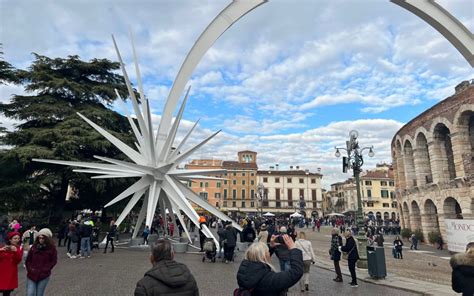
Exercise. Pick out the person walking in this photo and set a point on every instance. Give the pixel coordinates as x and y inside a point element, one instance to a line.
<point>414,242</point>
<point>74,239</point>
<point>352,256</point>
<point>318,225</point>
<point>40,261</point>
<point>230,241</point>
<point>336,242</point>
<point>111,236</point>
<point>166,277</point>
<point>257,276</point>
<point>85,232</point>
<point>248,234</point>
<point>146,232</point>
<point>462,277</point>
<point>263,234</point>
<point>10,256</point>
<point>440,242</point>
<point>308,258</point>
<point>398,244</point>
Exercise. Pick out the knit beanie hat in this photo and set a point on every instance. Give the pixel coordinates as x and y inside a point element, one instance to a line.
<point>10,235</point>
<point>46,232</point>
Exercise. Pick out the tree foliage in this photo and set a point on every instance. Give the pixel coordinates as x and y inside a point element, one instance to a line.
<point>50,128</point>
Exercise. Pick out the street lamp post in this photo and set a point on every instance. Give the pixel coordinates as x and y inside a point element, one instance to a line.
<point>354,161</point>
<point>261,191</point>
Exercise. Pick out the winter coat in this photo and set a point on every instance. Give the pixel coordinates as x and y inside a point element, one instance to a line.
<point>307,248</point>
<point>9,261</point>
<point>85,230</point>
<point>336,242</point>
<point>248,234</point>
<point>398,244</point>
<point>230,236</point>
<point>167,277</point>
<point>462,278</point>
<point>281,250</point>
<point>264,281</point>
<point>73,233</point>
<point>351,248</point>
<point>40,262</point>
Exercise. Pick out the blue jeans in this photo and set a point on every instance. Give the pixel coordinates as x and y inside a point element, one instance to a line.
<point>36,288</point>
<point>86,246</point>
<point>284,265</point>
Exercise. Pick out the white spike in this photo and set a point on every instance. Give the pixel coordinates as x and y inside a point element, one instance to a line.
<point>144,182</point>
<point>186,154</point>
<point>178,149</point>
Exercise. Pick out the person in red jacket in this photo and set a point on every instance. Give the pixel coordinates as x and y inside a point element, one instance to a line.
<point>41,259</point>
<point>10,257</point>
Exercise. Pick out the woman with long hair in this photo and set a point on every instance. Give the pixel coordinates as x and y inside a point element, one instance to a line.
<point>41,259</point>
<point>308,257</point>
<point>257,275</point>
<point>336,242</point>
<point>10,257</point>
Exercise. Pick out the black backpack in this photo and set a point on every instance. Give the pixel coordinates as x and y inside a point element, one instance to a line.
<point>242,292</point>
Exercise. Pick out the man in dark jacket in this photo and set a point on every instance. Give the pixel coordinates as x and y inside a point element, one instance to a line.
<point>166,277</point>
<point>352,256</point>
<point>462,279</point>
<point>248,234</point>
<point>230,241</point>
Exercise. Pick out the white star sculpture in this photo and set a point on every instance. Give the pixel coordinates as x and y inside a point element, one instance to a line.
<point>156,162</point>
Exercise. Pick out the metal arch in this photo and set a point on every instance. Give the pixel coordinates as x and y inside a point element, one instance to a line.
<point>445,23</point>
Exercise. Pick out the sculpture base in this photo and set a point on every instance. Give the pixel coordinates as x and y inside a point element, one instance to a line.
<point>180,247</point>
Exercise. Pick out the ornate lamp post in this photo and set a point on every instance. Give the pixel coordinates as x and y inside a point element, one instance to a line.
<point>354,161</point>
<point>261,191</point>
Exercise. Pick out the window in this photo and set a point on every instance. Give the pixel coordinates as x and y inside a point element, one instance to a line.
<point>217,204</point>
<point>234,182</point>
<point>383,183</point>
<point>201,184</point>
<point>368,183</point>
<point>206,184</point>
<point>252,174</point>
<point>288,180</point>
<point>265,203</point>
<point>225,174</point>
<point>394,204</point>
<point>235,174</point>
<point>234,204</point>
<point>391,183</point>
<point>392,194</point>
<point>218,184</point>
<point>225,182</point>
<point>278,204</point>
<point>234,194</point>
<point>225,193</point>
<point>252,204</point>
<point>277,180</point>
<point>301,181</point>
<point>217,195</point>
<point>301,193</point>
<point>290,197</point>
<point>252,194</point>
<point>190,183</point>
<point>252,182</point>
<point>265,180</point>
<point>386,205</point>
<point>370,204</point>
<point>384,193</point>
<point>203,195</point>
<point>243,174</point>
<point>243,204</point>
<point>243,182</point>
<point>313,194</point>
<point>369,193</point>
<point>277,194</point>
<point>313,181</point>
<point>243,193</point>
<point>225,203</point>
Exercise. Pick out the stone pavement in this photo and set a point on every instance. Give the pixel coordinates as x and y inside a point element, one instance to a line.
<point>117,273</point>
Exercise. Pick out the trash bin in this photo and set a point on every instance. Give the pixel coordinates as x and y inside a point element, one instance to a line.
<point>376,262</point>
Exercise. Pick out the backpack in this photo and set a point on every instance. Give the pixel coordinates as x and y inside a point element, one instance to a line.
<point>242,292</point>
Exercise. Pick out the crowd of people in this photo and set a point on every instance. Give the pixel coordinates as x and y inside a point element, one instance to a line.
<point>256,275</point>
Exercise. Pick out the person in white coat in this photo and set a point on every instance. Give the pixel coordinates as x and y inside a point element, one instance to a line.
<point>308,258</point>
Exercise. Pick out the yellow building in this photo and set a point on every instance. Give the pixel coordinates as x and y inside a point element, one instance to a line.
<point>209,190</point>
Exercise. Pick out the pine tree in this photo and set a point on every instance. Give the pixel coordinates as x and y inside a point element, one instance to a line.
<point>50,128</point>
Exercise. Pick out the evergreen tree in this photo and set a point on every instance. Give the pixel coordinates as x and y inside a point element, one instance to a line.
<point>50,128</point>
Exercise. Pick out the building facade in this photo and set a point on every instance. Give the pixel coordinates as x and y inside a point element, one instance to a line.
<point>434,164</point>
<point>240,186</point>
<point>285,189</point>
<point>209,190</point>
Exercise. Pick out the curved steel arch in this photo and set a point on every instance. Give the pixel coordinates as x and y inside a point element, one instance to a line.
<point>445,23</point>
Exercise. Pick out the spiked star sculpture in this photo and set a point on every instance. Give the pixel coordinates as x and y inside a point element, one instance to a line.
<point>156,162</point>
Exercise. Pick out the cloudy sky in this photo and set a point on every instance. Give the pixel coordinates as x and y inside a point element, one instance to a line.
<point>289,80</point>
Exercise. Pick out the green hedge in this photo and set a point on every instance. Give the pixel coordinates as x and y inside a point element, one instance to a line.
<point>433,237</point>
<point>419,235</point>
<point>406,232</point>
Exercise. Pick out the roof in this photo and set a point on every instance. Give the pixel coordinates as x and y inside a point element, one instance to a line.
<point>286,173</point>
<point>239,165</point>
<point>247,151</point>
<point>377,174</point>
